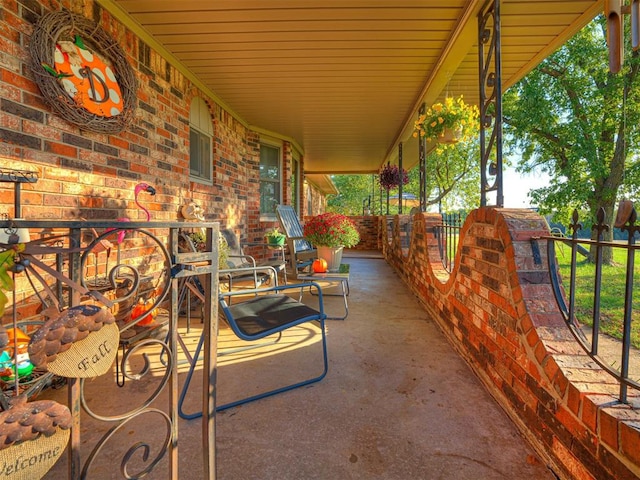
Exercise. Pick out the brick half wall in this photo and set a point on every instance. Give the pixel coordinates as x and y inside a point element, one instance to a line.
<point>498,310</point>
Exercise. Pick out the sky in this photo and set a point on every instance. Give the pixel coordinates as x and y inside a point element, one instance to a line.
<point>516,186</point>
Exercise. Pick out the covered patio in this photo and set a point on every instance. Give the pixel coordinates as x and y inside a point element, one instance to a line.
<point>398,402</point>
<point>236,106</point>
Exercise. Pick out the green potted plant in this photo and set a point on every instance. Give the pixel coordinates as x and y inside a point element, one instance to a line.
<point>448,122</point>
<point>275,238</point>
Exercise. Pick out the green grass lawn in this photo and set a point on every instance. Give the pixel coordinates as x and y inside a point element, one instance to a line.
<point>612,292</point>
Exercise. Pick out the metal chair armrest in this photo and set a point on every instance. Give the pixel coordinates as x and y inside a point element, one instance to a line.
<point>271,271</point>
<point>250,259</point>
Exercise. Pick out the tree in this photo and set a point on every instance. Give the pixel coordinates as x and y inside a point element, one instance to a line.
<point>354,191</point>
<point>576,121</point>
<point>453,176</point>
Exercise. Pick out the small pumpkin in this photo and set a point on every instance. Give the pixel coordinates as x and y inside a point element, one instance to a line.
<point>140,309</point>
<point>319,265</point>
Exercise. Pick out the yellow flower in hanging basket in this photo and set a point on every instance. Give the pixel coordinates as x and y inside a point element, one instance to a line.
<point>448,122</point>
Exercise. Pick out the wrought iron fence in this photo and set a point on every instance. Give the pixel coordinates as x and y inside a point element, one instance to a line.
<point>135,270</point>
<point>447,234</point>
<point>617,362</point>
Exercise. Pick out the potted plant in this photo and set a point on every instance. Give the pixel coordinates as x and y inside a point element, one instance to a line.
<point>199,240</point>
<point>275,238</point>
<point>330,233</point>
<point>448,122</point>
<point>390,177</point>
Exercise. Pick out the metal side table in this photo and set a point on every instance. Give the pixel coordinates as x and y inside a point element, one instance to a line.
<point>339,278</point>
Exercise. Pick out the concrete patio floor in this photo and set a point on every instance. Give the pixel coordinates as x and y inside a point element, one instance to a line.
<point>397,403</point>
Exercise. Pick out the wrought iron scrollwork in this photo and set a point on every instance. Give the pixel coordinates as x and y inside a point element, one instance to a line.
<point>129,270</point>
<point>490,77</point>
<point>137,456</point>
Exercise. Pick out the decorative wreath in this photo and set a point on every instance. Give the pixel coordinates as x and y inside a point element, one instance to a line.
<point>68,28</point>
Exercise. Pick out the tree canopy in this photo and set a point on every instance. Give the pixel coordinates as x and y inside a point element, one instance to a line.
<point>573,119</point>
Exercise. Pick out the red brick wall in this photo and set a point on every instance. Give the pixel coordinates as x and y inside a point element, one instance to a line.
<point>91,175</point>
<point>368,228</point>
<point>497,309</point>
<point>315,201</point>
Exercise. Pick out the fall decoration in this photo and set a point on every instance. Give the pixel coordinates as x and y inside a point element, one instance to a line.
<point>58,38</point>
<point>27,421</point>
<point>33,437</point>
<point>319,265</point>
<point>57,335</point>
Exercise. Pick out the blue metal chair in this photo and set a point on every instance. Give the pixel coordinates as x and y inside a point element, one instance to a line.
<point>301,252</point>
<point>271,311</point>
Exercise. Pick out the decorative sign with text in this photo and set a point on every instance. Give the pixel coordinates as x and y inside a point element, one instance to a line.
<point>90,357</point>
<point>31,460</point>
<point>34,435</point>
<point>81,342</point>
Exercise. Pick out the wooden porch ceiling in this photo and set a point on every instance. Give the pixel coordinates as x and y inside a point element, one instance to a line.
<point>343,79</point>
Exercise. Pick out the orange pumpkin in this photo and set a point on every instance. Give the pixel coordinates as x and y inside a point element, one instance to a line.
<point>140,309</point>
<point>319,265</point>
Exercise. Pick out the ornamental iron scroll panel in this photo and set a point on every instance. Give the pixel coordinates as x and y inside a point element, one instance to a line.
<point>422,162</point>
<point>567,306</point>
<point>69,265</point>
<point>490,76</point>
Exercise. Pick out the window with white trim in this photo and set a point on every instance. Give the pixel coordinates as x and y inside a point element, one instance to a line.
<point>200,135</point>
<point>270,180</point>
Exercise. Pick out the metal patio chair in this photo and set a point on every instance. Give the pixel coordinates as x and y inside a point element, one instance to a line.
<point>302,253</point>
<point>236,272</point>
<point>238,260</point>
<point>270,312</point>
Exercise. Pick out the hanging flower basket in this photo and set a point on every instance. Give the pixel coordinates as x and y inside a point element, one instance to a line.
<point>450,136</point>
<point>448,122</point>
<point>390,177</point>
